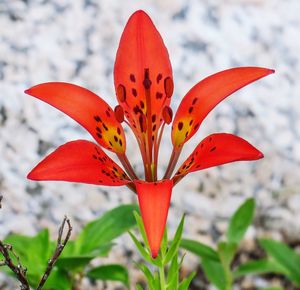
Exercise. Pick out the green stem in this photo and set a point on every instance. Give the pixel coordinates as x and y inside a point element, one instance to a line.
<point>229,278</point>
<point>162,278</point>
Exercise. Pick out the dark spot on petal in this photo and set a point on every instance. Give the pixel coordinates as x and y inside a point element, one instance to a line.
<point>153,118</point>
<point>142,104</point>
<point>107,113</point>
<point>134,92</point>
<point>99,135</point>
<point>191,109</point>
<point>196,126</point>
<point>119,131</point>
<point>210,139</point>
<point>97,118</point>
<point>194,101</point>
<point>191,122</point>
<point>159,77</point>
<point>213,149</point>
<point>147,82</point>
<point>110,143</point>
<point>94,156</point>
<point>180,126</point>
<point>154,127</point>
<point>104,126</point>
<point>120,142</point>
<point>116,138</point>
<point>159,95</point>
<point>132,78</point>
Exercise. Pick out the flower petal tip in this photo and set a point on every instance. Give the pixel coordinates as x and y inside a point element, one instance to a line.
<point>154,253</point>
<point>260,155</point>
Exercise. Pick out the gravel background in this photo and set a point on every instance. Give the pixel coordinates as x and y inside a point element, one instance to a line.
<point>76,41</point>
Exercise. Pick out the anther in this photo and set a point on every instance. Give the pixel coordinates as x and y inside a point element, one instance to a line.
<point>167,114</point>
<point>119,113</point>
<point>169,87</point>
<point>121,93</point>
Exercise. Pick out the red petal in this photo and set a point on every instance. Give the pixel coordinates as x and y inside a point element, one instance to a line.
<point>218,149</point>
<point>85,107</point>
<point>80,161</point>
<point>142,64</point>
<point>205,95</point>
<point>154,200</point>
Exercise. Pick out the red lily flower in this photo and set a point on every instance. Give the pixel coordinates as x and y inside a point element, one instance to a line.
<point>144,86</point>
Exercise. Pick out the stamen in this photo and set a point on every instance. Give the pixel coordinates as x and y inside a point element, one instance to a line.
<point>121,93</point>
<point>119,113</point>
<point>169,87</point>
<point>167,114</point>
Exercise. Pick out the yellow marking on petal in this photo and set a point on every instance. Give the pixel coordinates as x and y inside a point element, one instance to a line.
<point>182,130</point>
<point>113,139</point>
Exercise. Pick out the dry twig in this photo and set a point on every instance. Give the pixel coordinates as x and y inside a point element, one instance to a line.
<point>61,243</point>
<point>7,251</point>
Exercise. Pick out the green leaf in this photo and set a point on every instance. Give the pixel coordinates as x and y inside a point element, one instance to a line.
<point>34,253</point>
<point>150,278</point>
<point>263,266</point>
<point>184,285</point>
<point>240,221</point>
<point>199,249</point>
<point>145,254</point>
<point>214,273</point>
<point>58,280</point>
<point>73,263</point>
<point>226,252</point>
<point>164,243</point>
<point>110,272</point>
<point>103,230</point>
<point>175,243</point>
<point>285,256</point>
<point>271,288</point>
<point>173,274</point>
<point>141,227</point>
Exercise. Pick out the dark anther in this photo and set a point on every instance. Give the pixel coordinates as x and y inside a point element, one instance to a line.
<point>169,87</point>
<point>132,78</point>
<point>134,92</point>
<point>180,126</point>
<point>121,93</point>
<point>159,77</point>
<point>147,82</point>
<point>119,114</point>
<point>167,115</point>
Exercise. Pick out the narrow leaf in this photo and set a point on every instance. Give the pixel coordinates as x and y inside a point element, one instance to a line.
<point>199,249</point>
<point>263,266</point>
<point>240,221</point>
<point>184,285</point>
<point>175,243</point>
<point>110,272</point>
<point>214,273</point>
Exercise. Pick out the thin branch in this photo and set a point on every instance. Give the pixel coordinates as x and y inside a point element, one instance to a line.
<point>61,243</point>
<point>18,269</point>
<point>7,250</point>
